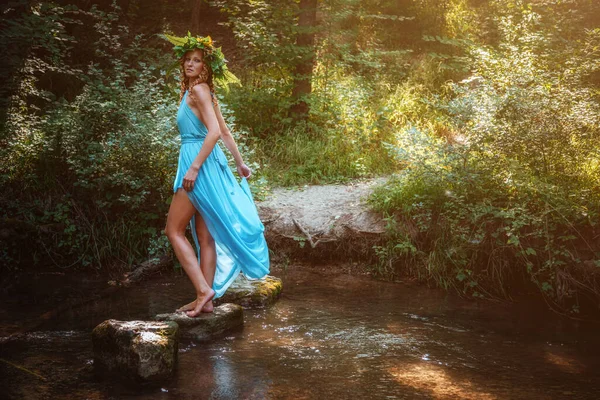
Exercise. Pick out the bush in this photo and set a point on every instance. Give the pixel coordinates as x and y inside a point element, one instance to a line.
<point>501,188</point>
<point>87,179</point>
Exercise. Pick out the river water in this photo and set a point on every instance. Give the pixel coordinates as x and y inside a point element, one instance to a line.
<point>330,336</point>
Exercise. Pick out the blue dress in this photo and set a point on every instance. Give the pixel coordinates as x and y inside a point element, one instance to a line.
<point>225,204</point>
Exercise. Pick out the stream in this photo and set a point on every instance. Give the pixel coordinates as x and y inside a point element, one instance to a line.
<point>330,336</point>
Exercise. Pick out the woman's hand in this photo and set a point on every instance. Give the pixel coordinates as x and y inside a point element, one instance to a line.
<point>190,178</point>
<point>244,170</point>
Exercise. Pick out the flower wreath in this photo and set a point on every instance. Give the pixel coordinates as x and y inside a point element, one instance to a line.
<point>213,56</point>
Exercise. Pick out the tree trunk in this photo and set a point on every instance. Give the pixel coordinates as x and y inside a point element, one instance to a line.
<point>200,7</point>
<point>307,18</point>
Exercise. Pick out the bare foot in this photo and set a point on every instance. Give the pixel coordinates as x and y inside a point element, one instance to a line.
<point>207,308</point>
<point>187,307</point>
<point>200,302</point>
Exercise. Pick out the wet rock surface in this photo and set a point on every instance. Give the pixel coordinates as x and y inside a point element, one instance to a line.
<point>136,350</point>
<point>206,326</point>
<point>253,293</point>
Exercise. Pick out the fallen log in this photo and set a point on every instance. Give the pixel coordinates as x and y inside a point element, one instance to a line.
<point>334,220</point>
<point>147,268</point>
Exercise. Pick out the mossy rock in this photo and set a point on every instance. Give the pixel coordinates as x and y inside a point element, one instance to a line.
<point>136,350</point>
<point>253,293</point>
<point>207,326</point>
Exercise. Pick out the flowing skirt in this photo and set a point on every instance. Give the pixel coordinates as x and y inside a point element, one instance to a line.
<point>230,214</point>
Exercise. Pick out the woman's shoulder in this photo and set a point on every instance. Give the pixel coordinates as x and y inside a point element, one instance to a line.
<point>201,90</point>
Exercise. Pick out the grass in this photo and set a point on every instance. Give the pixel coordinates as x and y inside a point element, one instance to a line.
<point>299,158</point>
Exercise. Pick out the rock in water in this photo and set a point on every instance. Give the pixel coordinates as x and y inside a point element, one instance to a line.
<point>206,326</point>
<point>253,293</point>
<point>136,350</point>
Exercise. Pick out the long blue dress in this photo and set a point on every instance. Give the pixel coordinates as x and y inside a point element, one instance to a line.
<point>225,204</point>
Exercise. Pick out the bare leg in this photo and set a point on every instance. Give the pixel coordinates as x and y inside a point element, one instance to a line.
<point>208,261</point>
<point>208,251</point>
<point>180,213</point>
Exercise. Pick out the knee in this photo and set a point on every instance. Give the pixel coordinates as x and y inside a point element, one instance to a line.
<point>171,232</point>
<point>168,232</point>
<point>206,240</point>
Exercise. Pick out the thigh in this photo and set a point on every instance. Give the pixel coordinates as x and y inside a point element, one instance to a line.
<point>202,229</point>
<point>180,212</point>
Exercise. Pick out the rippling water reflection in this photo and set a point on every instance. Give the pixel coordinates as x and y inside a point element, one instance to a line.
<point>335,337</point>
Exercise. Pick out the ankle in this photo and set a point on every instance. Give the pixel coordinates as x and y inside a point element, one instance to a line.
<point>204,293</point>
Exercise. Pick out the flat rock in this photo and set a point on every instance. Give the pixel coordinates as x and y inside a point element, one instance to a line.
<point>136,350</point>
<point>255,293</point>
<point>323,222</point>
<point>206,326</point>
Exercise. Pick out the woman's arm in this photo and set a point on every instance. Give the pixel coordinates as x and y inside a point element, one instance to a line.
<point>229,141</point>
<point>203,104</point>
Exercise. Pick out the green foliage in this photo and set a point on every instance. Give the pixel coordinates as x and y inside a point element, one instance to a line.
<point>487,110</point>
<point>342,136</point>
<point>342,139</point>
<point>501,184</point>
<point>90,176</point>
<point>41,34</point>
<point>299,158</point>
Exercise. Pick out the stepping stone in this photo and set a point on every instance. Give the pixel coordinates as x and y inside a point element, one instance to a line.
<point>252,293</point>
<point>206,326</point>
<point>136,350</point>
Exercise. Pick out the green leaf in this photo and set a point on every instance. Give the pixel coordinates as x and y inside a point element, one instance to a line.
<point>530,251</point>
<point>546,287</point>
<point>514,240</point>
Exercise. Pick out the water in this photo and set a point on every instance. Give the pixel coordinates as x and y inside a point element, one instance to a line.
<point>331,336</point>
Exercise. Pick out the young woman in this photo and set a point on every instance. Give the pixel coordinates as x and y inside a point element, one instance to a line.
<point>224,221</point>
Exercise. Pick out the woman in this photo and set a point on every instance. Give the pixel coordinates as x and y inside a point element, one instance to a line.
<point>224,222</point>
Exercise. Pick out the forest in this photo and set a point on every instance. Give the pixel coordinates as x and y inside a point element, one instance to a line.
<point>484,113</point>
